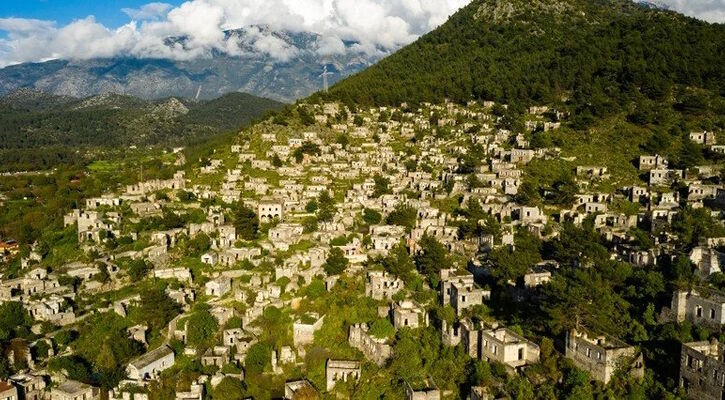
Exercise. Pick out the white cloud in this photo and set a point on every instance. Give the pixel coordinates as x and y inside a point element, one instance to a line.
<point>148,11</point>
<point>708,10</point>
<point>372,24</point>
<point>330,45</point>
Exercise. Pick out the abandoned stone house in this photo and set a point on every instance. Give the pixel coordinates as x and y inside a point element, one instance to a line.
<point>592,172</point>
<point>374,349</point>
<point>381,285</point>
<point>210,258</point>
<point>29,386</point>
<point>227,236</point>
<point>460,291</point>
<point>698,309</point>
<point>602,356</point>
<point>408,314</point>
<point>285,234</point>
<point>300,388</point>
<point>230,337</point>
<point>663,176</point>
<point>704,137</point>
<point>8,391</point>
<point>89,225</point>
<point>702,370</point>
<point>354,251</point>
<point>303,329</point>
<point>424,390</point>
<point>536,276</point>
<point>385,237</point>
<point>697,192</point>
<point>195,392</point>
<point>522,156</point>
<point>222,314</point>
<point>340,370</point>
<point>218,287</point>
<point>636,256</point>
<point>464,296</point>
<point>179,273</point>
<point>637,194</point>
<point>107,201</point>
<point>217,356</point>
<point>146,209</point>
<point>150,365</point>
<point>480,393</point>
<point>497,344</point>
<point>142,188</point>
<point>652,162</point>
<point>707,260</point>
<point>74,390</point>
<point>53,309</point>
<point>229,257</point>
<point>528,214</point>
<point>269,209</point>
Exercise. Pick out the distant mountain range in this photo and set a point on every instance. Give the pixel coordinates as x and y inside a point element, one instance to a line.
<point>287,77</point>
<point>31,119</point>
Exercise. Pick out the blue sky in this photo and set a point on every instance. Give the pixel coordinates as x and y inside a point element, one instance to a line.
<point>107,12</point>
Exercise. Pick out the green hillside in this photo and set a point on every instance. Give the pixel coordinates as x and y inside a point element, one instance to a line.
<point>39,131</point>
<point>30,119</point>
<point>598,54</point>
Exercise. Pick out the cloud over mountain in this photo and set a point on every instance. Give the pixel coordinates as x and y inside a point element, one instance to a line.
<point>371,24</point>
<point>708,10</point>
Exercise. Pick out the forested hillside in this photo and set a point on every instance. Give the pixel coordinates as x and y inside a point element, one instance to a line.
<point>31,120</point>
<point>596,54</point>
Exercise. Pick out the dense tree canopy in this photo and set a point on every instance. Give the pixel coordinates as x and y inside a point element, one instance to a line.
<point>602,53</point>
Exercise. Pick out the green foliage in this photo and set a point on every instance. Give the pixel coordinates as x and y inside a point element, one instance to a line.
<point>382,328</point>
<point>156,308</point>
<point>246,222</point>
<point>587,297</point>
<point>432,257</point>
<point>104,345</point>
<point>371,217</point>
<point>693,224</point>
<point>336,262</point>
<point>315,289</point>
<point>229,389</point>
<point>309,224</point>
<point>198,244</point>
<point>311,206</point>
<point>690,154</point>
<point>514,264</point>
<point>601,52</point>
<point>407,363</point>
<point>398,261</point>
<point>14,321</point>
<point>478,222</point>
<point>382,186</point>
<point>402,215</point>
<point>137,269</point>
<point>64,337</point>
<point>121,121</point>
<point>257,359</point>
<point>201,327</point>
<point>339,241</point>
<point>308,148</point>
<point>325,207</point>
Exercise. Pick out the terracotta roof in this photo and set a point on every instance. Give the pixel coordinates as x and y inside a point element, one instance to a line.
<point>4,386</point>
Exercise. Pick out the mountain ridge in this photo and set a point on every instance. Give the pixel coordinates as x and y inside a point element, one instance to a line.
<point>545,51</point>
<point>284,77</point>
<point>33,119</point>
